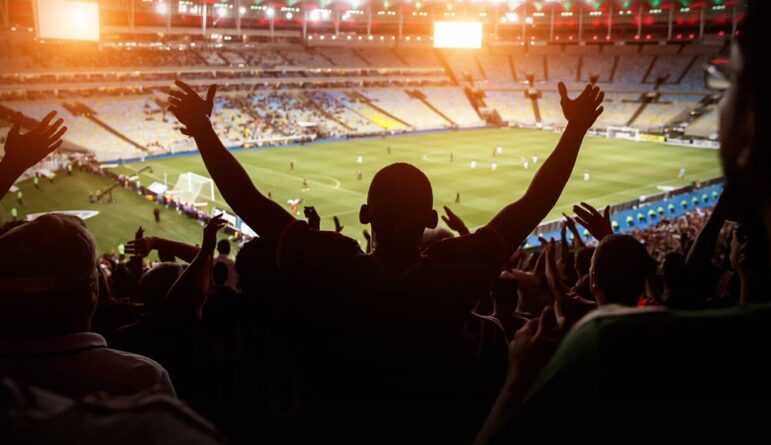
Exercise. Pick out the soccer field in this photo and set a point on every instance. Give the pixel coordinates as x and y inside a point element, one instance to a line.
<point>619,171</point>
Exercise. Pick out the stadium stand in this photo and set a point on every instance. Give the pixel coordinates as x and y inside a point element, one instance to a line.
<point>497,68</point>
<point>619,108</point>
<point>338,105</point>
<point>405,107</point>
<point>529,63</point>
<point>418,57</point>
<point>704,126</point>
<point>656,115</point>
<point>81,131</point>
<point>144,121</point>
<point>597,65</point>
<point>381,57</point>
<point>512,106</point>
<point>453,103</point>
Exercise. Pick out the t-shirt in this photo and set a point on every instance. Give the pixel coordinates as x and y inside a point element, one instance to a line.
<point>79,364</point>
<point>423,305</point>
<point>384,338</point>
<point>232,281</point>
<point>645,373</point>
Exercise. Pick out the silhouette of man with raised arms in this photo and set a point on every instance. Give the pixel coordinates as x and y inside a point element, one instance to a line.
<point>394,316</point>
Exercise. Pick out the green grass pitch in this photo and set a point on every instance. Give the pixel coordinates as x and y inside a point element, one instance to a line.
<point>619,171</point>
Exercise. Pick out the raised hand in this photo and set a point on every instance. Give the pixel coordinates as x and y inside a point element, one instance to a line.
<point>210,233</point>
<point>140,246</point>
<point>23,151</point>
<point>188,107</point>
<point>338,227</point>
<point>533,345</point>
<point>598,224</point>
<point>555,282</point>
<point>571,224</point>
<point>584,110</point>
<point>454,222</point>
<point>314,220</point>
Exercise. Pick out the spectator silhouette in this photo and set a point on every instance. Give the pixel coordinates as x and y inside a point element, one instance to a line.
<point>395,315</point>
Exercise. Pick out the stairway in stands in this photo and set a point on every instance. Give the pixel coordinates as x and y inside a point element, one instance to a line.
<point>312,103</point>
<point>419,95</point>
<point>446,66</point>
<point>355,95</point>
<point>81,109</point>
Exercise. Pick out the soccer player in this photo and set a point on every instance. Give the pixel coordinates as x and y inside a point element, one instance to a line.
<point>305,184</point>
<point>20,198</point>
<point>157,214</point>
<point>388,149</point>
<point>36,181</point>
<point>681,173</point>
<point>457,197</point>
<point>526,164</point>
<point>586,175</point>
<point>293,204</point>
<point>499,150</point>
<point>359,159</point>
<point>473,163</point>
<point>494,165</point>
<point>358,175</point>
<point>451,158</point>
<point>535,159</point>
<point>291,166</point>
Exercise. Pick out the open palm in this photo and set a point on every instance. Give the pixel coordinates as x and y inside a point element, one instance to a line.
<point>187,106</point>
<point>584,110</point>
<point>23,151</point>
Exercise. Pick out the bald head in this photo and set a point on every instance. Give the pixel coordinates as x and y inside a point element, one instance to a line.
<point>399,205</point>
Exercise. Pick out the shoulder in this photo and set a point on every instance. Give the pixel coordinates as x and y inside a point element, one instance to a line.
<point>299,243</point>
<point>485,248</point>
<point>136,370</point>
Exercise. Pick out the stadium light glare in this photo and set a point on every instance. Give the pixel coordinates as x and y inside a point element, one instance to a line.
<point>289,16</point>
<point>529,20</point>
<point>242,10</point>
<point>458,34</point>
<point>222,12</point>
<point>270,12</point>
<point>162,8</point>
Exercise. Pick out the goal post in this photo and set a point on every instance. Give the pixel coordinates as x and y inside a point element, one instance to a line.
<point>623,133</point>
<point>191,187</point>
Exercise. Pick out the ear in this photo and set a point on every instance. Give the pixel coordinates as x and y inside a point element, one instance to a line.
<point>364,214</point>
<point>433,220</point>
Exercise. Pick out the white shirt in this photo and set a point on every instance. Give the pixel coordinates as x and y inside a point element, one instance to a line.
<point>232,281</point>
<point>75,365</point>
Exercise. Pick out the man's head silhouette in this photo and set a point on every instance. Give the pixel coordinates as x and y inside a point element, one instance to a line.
<point>399,207</point>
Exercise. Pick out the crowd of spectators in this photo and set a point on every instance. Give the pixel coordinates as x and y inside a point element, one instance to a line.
<point>424,334</point>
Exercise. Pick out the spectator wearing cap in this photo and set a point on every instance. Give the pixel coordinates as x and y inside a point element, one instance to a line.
<point>48,290</point>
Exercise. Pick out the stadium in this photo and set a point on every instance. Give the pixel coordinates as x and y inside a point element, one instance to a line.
<point>559,143</point>
<point>318,87</point>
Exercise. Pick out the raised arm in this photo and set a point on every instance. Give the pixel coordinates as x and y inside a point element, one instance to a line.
<point>703,247</point>
<point>187,295</point>
<point>143,245</point>
<point>264,216</point>
<point>517,220</point>
<point>23,151</point>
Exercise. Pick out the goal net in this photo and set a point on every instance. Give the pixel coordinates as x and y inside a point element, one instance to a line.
<point>191,187</point>
<point>623,133</point>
